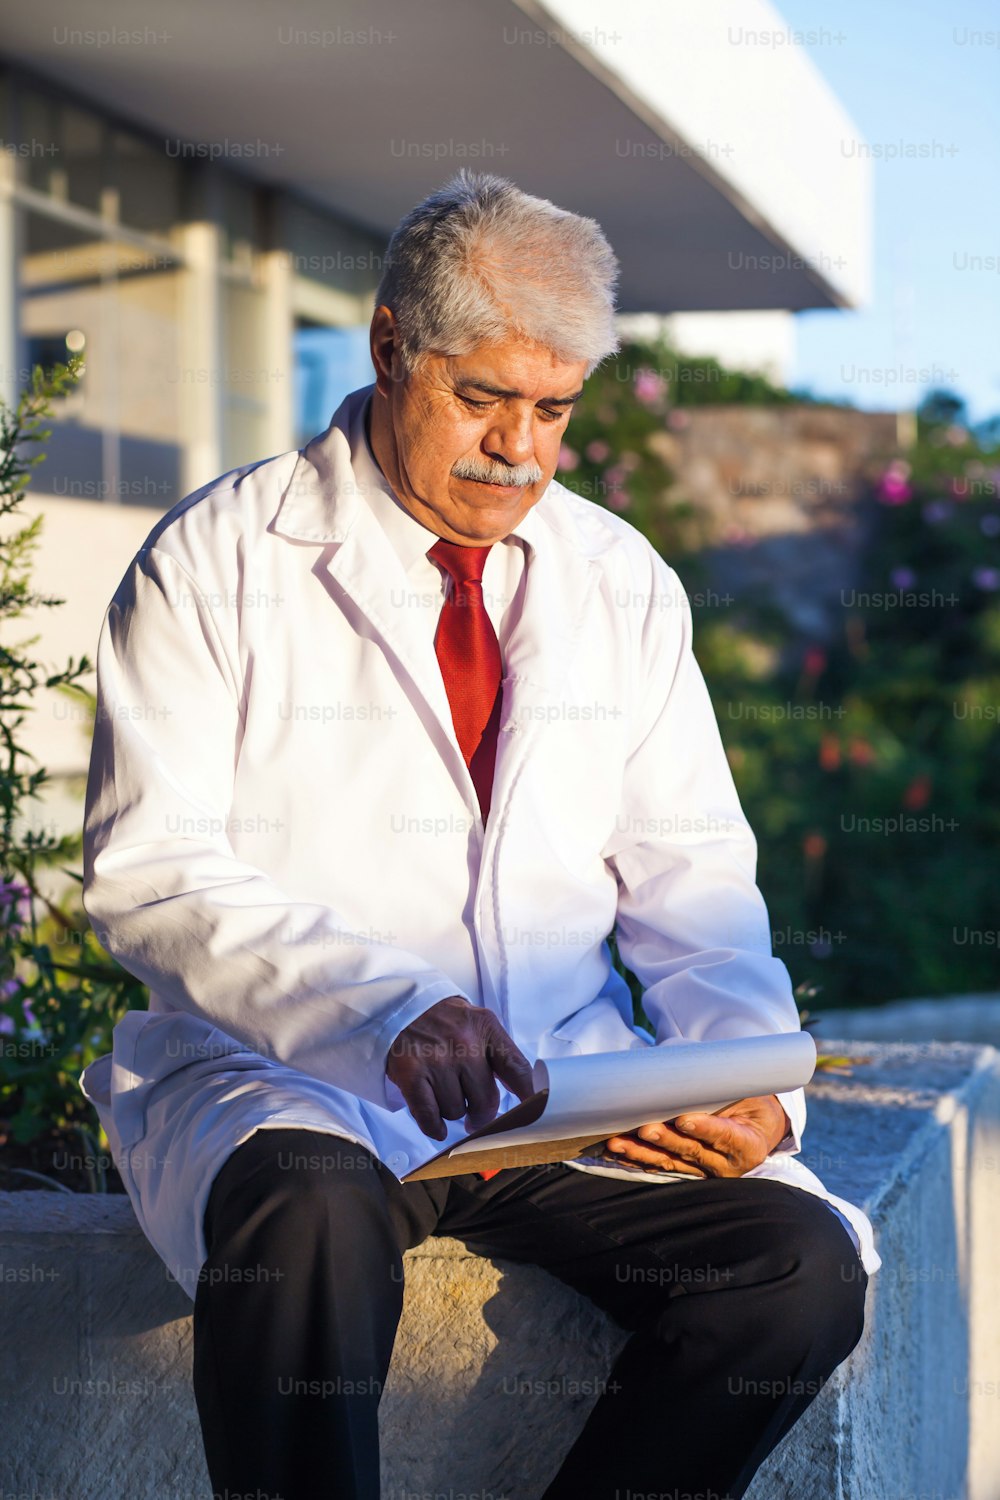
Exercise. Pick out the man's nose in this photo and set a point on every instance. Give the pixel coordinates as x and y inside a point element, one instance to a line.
<point>510,440</point>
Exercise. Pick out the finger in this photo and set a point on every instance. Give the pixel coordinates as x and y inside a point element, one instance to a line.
<point>422,1104</point>
<point>508,1061</point>
<point>445,1080</point>
<point>687,1148</point>
<point>482,1094</point>
<point>681,1148</point>
<point>624,1148</point>
<point>737,1142</point>
<point>714,1131</point>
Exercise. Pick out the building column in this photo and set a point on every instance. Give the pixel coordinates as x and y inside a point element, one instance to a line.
<point>200,376</point>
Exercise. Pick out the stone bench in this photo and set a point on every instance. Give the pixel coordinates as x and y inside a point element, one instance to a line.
<point>497,1365</point>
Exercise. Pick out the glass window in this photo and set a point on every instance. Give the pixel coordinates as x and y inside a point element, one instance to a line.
<point>39,141</point>
<point>118,436</point>
<point>83,157</point>
<point>148,183</point>
<point>329,364</point>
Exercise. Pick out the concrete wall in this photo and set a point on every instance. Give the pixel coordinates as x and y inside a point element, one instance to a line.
<point>96,1358</point>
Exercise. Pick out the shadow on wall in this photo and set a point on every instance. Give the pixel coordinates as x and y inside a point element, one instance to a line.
<point>80,464</point>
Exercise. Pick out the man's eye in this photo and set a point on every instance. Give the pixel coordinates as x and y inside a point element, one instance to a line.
<point>551,416</point>
<point>478,405</point>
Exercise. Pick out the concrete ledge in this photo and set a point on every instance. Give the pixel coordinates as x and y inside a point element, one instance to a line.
<point>959,1018</point>
<point>497,1365</point>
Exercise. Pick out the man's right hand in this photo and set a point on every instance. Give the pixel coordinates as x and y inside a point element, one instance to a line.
<point>444,1063</point>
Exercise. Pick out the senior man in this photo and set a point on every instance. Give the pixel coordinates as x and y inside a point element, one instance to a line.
<point>392,732</point>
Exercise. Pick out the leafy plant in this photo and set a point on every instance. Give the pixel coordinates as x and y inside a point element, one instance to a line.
<point>60,992</point>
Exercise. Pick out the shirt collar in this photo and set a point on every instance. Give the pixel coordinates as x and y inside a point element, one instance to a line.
<point>410,538</point>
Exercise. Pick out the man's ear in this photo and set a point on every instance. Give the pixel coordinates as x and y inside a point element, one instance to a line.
<point>383,339</point>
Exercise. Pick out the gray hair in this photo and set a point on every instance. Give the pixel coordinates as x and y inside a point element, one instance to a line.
<point>480,262</point>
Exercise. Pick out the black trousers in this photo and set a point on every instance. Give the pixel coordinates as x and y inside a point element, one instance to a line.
<point>742,1295</point>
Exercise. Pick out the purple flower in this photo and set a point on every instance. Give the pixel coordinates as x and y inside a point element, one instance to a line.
<point>990,525</point>
<point>16,896</point>
<point>6,1025</point>
<point>903,578</point>
<point>936,510</point>
<point>986,578</point>
<point>9,987</point>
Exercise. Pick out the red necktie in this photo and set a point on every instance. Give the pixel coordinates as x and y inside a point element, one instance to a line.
<point>469,653</point>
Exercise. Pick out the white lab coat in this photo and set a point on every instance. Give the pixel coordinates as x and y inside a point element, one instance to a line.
<point>283,841</point>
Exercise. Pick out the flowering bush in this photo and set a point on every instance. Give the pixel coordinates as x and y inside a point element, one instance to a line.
<point>866,764</point>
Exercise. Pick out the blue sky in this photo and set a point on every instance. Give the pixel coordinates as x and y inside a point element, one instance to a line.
<point>913,73</point>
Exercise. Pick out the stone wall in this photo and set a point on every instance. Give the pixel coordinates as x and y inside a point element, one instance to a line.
<point>782,495</point>
<point>496,1365</point>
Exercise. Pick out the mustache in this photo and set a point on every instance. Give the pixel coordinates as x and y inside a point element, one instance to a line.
<point>492,471</point>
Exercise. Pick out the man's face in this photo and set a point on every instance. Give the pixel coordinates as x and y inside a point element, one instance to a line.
<point>497,416</point>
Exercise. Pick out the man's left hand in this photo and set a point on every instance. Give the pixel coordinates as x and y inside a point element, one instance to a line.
<point>725,1144</point>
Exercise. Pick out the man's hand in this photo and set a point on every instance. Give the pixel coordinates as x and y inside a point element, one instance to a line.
<point>446,1059</point>
<point>725,1144</point>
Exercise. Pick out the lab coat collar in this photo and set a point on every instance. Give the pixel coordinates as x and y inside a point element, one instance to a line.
<point>409,537</point>
<point>321,502</point>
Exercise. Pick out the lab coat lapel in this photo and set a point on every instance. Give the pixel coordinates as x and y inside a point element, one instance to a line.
<point>366,568</point>
<point>321,504</point>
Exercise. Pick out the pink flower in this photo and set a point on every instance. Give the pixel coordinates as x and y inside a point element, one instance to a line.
<point>678,420</point>
<point>568,459</point>
<point>615,476</point>
<point>597,451</point>
<point>893,488</point>
<point>814,661</point>
<point>649,386</point>
<point>630,461</point>
<point>619,499</point>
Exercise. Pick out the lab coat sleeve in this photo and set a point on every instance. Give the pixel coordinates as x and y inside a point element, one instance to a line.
<point>691,922</point>
<point>208,932</point>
